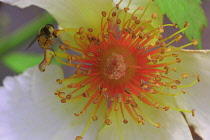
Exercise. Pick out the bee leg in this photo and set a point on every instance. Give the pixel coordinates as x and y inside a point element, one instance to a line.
<point>45,42</point>
<point>52,50</point>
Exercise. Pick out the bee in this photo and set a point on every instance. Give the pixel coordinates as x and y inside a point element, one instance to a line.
<point>44,37</point>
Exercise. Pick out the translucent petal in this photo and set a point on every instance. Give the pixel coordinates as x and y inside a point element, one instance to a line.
<point>32,111</point>
<point>152,8</point>
<point>70,13</point>
<point>197,96</point>
<point>173,127</point>
<point>24,115</point>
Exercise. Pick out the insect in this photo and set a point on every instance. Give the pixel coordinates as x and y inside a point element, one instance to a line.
<point>44,36</point>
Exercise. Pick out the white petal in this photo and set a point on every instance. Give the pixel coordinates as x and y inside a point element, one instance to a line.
<point>173,127</point>
<point>30,110</point>
<point>70,13</point>
<point>197,96</point>
<point>152,8</point>
<point>22,113</point>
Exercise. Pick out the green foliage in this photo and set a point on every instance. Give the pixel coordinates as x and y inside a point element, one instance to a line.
<point>18,62</point>
<point>179,11</point>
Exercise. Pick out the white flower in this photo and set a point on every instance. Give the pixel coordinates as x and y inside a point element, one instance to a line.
<point>30,110</point>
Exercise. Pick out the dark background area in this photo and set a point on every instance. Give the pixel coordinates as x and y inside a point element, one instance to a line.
<point>15,17</point>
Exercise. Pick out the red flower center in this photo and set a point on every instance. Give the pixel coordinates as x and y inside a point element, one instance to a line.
<point>121,66</point>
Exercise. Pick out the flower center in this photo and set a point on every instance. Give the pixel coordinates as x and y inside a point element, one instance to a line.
<point>123,66</point>
<point>115,66</point>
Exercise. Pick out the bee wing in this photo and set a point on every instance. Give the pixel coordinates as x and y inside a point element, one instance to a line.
<point>32,42</point>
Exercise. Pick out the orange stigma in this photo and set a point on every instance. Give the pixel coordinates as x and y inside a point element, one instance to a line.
<point>121,66</point>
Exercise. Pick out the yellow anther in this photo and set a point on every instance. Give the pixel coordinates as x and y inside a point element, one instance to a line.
<point>183,91</point>
<point>193,112</point>
<point>82,84</point>
<point>78,138</point>
<point>75,114</point>
<point>156,105</point>
<point>161,30</point>
<point>166,108</point>
<point>131,98</point>
<point>77,66</point>
<point>127,90</point>
<point>142,82</point>
<point>103,13</point>
<point>141,97</point>
<point>178,60</point>
<point>108,122</point>
<point>140,119</point>
<point>61,94</point>
<point>157,78</point>
<point>85,94</point>
<point>175,25</point>
<point>118,21</point>
<point>152,43</point>
<point>160,37</point>
<point>95,101</point>
<point>178,37</point>
<point>137,21</point>
<point>195,42</point>
<point>56,93</point>
<point>186,24</point>
<point>81,30</point>
<point>62,47</point>
<point>177,82</point>
<point>141,8</point>
<point>184,75</point>
<point>158,125</point>
<point>198,78</point>
<point>141,35</point>
<point>149,58</point>
<point>174,87</point>
<point>134,18</point>
<point>109,30</point>
<point>63,100</point>
<point>163,44</point>
<point>126,9</point>
<point>78,71</point>
<point>68,96</point>
<point>90,30</point>
<point>151,90</point>
<point>174,69</point>
<point>175,55</point>
<point>95,118</point>
<point>134,104</point>
<point>59,81</point>
<point>117,6</point>
<point>162,51</point>
<point>71,85</point>
<point>114,14</point>
<point>116,108</point>
<point>154,15</point>
<point>125,121</point>
<point>119,100</point>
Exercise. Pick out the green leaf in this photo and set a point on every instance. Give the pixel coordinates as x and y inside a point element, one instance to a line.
<point>19,62</point>
<point>179,11</point>
<point>24,33</point>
